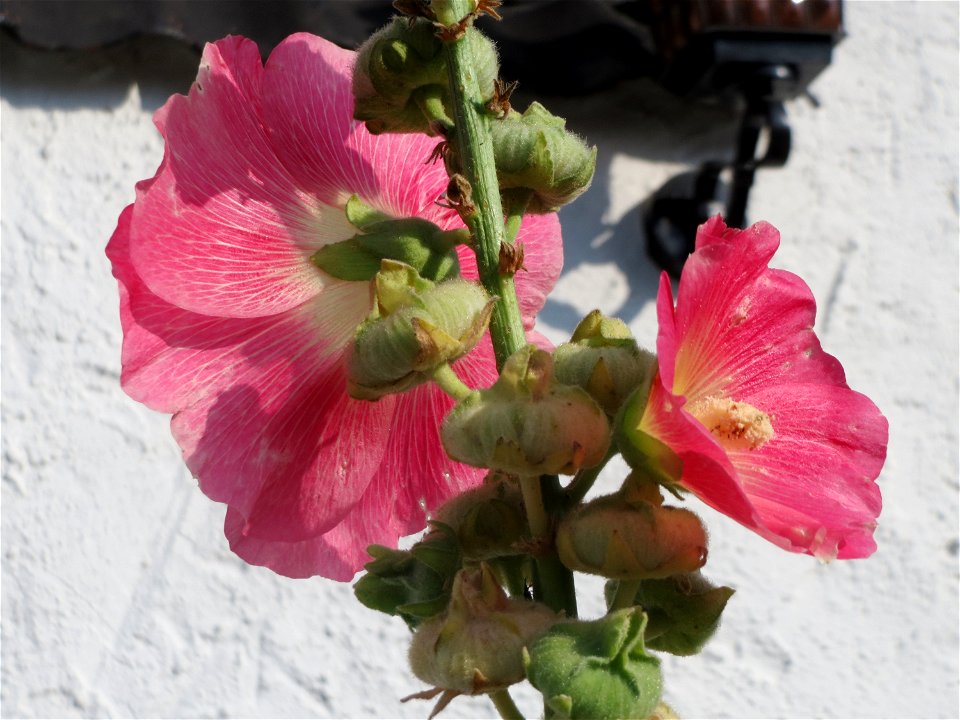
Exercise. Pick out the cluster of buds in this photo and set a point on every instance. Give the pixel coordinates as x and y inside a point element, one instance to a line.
<point>547,414</point>
<point>400,82</point>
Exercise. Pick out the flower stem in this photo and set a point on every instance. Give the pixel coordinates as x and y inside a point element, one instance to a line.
<point>584,480</point>
<point>555,587</point>
<point>533,504</point>
<point>450,383</point>
<point>505,705</point>
<point>514,215</point>
<point>625,595</point>
<point>475,150</point>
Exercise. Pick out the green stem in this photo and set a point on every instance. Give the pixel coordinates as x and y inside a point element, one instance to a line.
<point>533,503</point>
<point>515,211</point>
<point>555,587</point>
<point>450,383</point>
<point>578,488</point>
<point>505,705</point>
<point>475,150</point>
<point>626,595</point>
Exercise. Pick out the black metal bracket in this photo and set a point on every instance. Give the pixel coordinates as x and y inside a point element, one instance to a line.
<point>761,53</point>
<point>690,199</point>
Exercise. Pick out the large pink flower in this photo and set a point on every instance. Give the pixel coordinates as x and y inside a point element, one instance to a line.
<point>760,416</point>
<point>229,326</point>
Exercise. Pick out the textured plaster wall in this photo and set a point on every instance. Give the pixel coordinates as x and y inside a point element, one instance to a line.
<point>119,595</point>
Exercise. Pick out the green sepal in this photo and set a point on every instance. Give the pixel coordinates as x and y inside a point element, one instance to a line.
<point>684,611</point>
<point>644,453</point>
<point>361,215</point>
<point>347,260</point>
<point>415,242</point>
<point>414,584</point>
<point>596,670</point>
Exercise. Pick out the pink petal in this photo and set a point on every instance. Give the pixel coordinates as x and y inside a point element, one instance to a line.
<point>813,481</point>
<point>261,408</point>
<point>738,324</point>
<point>389,509</point>
<point>222,230</point>
<point>308,113</point>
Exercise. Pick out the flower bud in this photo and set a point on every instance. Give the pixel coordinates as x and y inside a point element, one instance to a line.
<point>488,521</point>
<point>400,80</point>
<point>526,424</point>
<point>476,646</point>
<point>415,242</point>
<point>683,610</point>
<point>534,153</point>
<point>415,327</point>
<point>596,670</point>
<point>628,536</point>
<point>603,358</point>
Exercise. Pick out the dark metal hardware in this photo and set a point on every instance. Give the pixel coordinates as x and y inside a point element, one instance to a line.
<point>764,52</point>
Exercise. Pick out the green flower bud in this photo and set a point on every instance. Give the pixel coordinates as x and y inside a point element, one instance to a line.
<point>535,154</point>
<point>414,584</point>
<point>631,536</point>
<point>415,327</point>
<point>489,521</point>
<point>400,80</point>
<point>684,611</point>
<point>596,670</point>
<point>413,241</point>
<point>476,646</point>
<point>526,424</point>
<point>603,358</point>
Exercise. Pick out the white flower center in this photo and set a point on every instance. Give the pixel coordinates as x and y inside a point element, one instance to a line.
<point>736,425</point>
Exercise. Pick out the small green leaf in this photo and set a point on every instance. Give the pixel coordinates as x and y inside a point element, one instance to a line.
<point>414,584</point>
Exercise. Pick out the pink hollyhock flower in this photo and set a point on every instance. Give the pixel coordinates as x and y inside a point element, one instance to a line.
<point>760,416</point>
<point>230,327</point>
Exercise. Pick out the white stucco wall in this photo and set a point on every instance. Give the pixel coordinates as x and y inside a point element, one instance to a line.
<point>119,595</point>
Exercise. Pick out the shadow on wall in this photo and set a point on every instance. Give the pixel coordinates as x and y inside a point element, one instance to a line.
<point>636,119</point>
